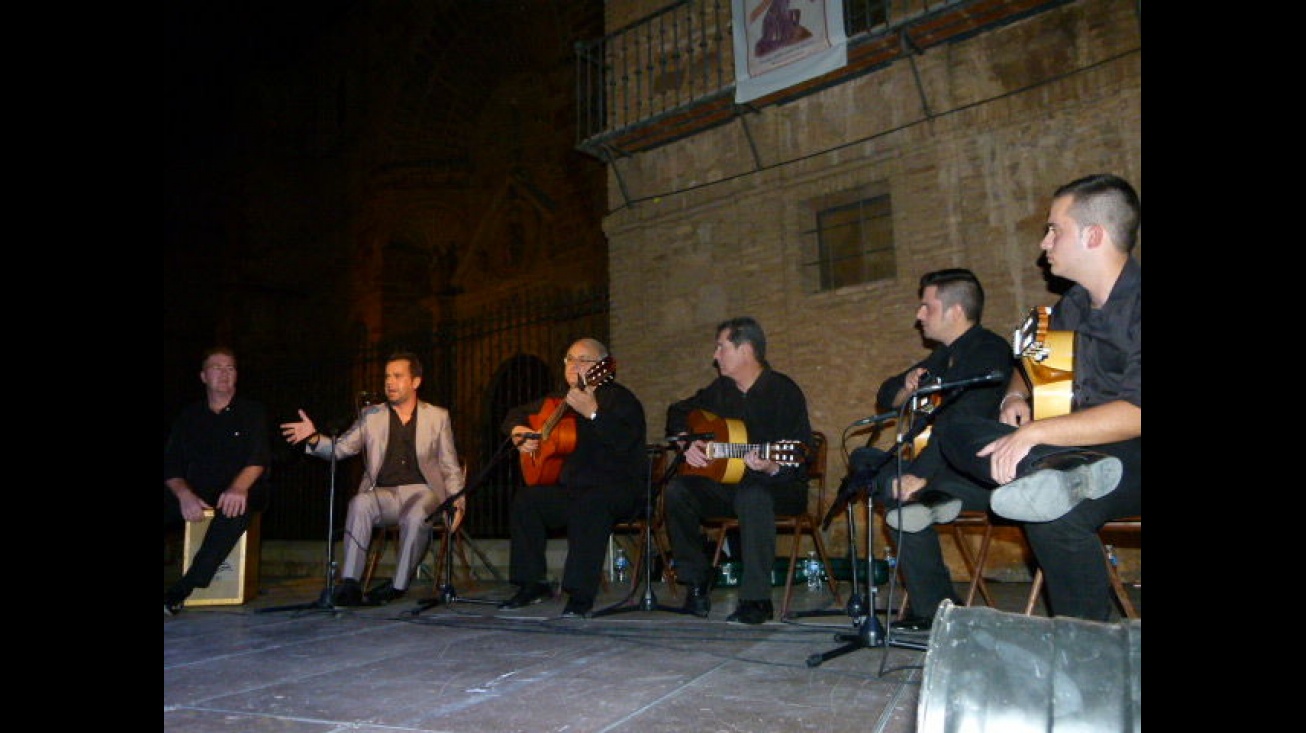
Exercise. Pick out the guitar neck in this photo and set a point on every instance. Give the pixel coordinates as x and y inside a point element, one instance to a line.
<point>739,450</point>
<point>552,422</point>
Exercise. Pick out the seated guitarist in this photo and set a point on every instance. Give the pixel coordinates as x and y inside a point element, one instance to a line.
<point>771,408</point>
<point>951,306</point>
<point>1066,475</point>
<point>600,481</point>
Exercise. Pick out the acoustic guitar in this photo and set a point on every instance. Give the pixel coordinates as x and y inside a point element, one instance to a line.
<point>1049,359</point>
<point>556,424</point>
<point>729,446</point>
<point>921,408</point>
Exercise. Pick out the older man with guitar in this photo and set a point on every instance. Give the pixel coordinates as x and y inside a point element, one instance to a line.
<point>584,463</point>
<point>744,437</point>
<point>1065,474</point>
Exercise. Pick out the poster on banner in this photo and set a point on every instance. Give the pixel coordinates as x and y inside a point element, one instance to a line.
<point>780,43</point>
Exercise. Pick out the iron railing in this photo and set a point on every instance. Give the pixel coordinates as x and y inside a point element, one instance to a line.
<point>684,54</point>
<point>672,74</point>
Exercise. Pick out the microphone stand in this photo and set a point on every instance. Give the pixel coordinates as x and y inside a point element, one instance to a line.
<point>868,630</point>
<point>650,601</point>
<point>870,633</point>
<point>326,601</point>
<point>448,595</point>
<point>901,441</point>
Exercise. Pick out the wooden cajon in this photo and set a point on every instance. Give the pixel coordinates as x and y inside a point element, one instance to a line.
<point>237,578</point>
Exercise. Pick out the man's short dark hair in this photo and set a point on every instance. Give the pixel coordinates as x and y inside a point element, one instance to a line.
<point>414,363</point>
<point>746,329</point>
<point>957,286</point>
<point>1108,201</point>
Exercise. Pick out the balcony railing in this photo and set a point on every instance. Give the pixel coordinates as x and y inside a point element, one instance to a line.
<point>672,73</point>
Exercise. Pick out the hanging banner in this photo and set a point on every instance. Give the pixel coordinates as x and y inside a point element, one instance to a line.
<point>780,43</point>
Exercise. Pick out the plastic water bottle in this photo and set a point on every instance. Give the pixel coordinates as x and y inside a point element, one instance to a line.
<point>1111,555</point>
<point>620,565</point>
<point>889,559</point>
<point>813,571</point>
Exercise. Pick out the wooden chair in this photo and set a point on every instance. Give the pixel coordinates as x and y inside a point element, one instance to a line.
<point>1133,525</point>
<point>383,536</point>
<point>639,528</point>
<point>796,525</point>
<point>974,560</point>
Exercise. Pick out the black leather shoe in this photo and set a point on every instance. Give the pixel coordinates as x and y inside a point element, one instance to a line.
<point>383,595</point>
<point>912,623</point>
<point>1064,461</point>
<point>526,595</point>
<point>348,593</point>
<point>578,608</point>
<point>171,607</point>
<point>752,613</point>
<point>174,600</point>
<point>698,601</point>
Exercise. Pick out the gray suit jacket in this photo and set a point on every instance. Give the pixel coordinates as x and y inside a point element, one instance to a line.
<point>437,458</point>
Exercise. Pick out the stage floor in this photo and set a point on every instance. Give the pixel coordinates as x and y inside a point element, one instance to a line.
<point>469,667</point>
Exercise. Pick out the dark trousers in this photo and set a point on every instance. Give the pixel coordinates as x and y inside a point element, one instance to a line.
<point>691,499</point>
<point>1068,548</point>
<point>920,554</point>
<point>587,513</point>
<point>224,532</point>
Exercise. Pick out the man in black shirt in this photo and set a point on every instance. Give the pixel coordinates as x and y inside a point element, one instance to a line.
<point>1065,475</point>
<point>772,410</point>
<point>216,457</point>
<point>951,306</point>
<point>585,464</point>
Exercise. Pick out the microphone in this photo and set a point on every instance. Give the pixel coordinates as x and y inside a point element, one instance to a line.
<point>993,376</point>
<point>691,437</point>
<point>874,419</point>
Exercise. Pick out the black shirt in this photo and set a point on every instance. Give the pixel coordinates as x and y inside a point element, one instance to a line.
<point>399,467</point>
<point>977,351</point>
<point>773,409</point>
<point>1108,340</point>
<point>609,449</point>
<point>209,449</point>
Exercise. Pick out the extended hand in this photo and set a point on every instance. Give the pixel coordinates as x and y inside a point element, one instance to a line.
<point>297,431</point>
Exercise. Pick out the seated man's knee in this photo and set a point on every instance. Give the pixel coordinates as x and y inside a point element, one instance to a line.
<point>676,491</point>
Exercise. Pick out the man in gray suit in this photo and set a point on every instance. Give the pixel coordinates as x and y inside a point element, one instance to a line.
<point>410,467</point>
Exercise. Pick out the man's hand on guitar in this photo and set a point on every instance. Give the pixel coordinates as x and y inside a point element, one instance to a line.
<point>915,379</point>
<point>755,461</point>
<point>696,454</point>
<point>583,401</point>
<point>521,437</point>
